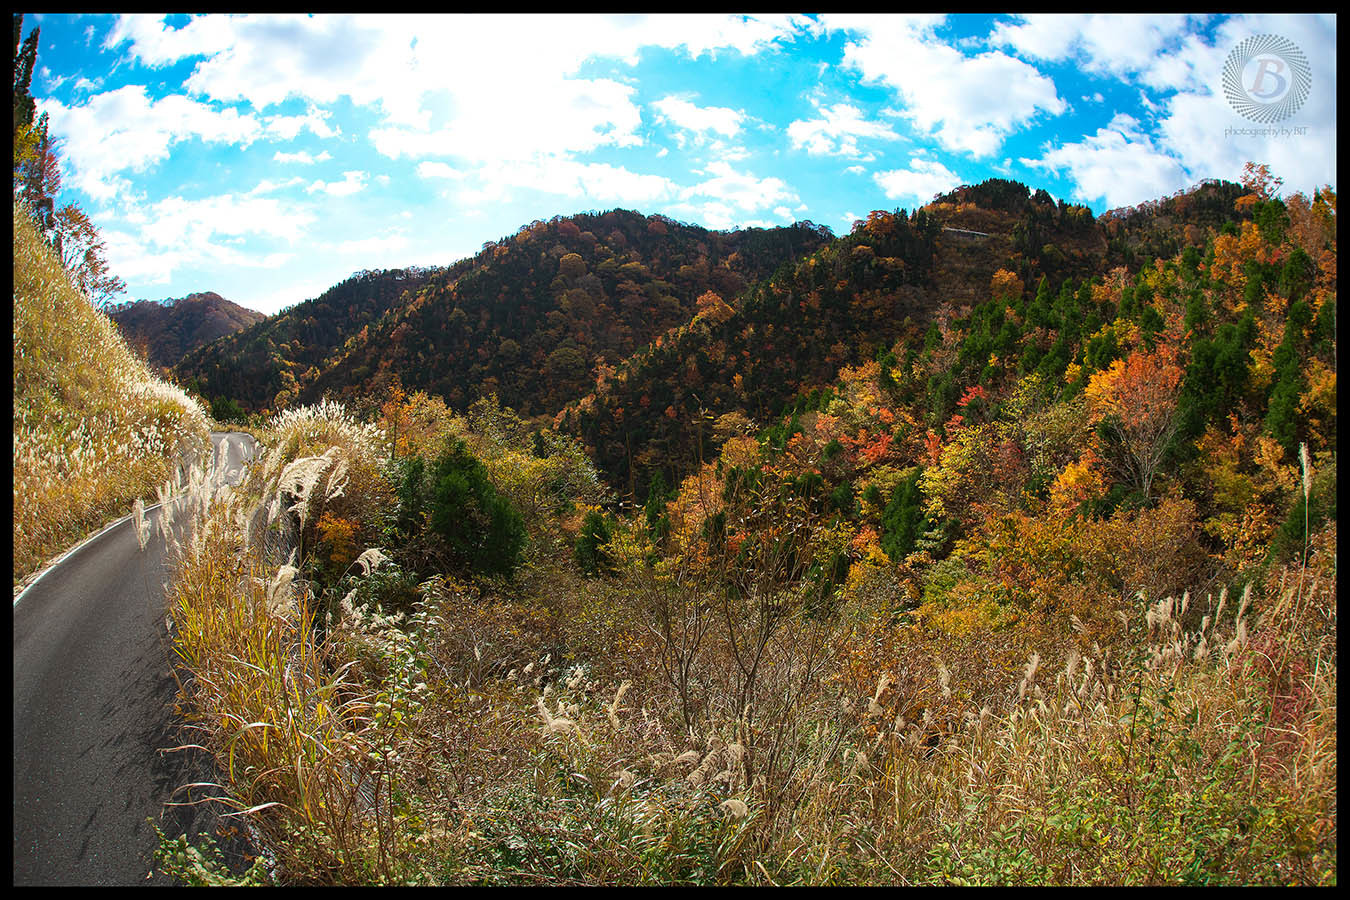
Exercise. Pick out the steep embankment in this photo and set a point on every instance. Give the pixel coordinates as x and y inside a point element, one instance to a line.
<point>93,429</point>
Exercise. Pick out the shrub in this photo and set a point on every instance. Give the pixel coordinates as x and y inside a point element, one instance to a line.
<point>591,553</point>
<point>451,511</point>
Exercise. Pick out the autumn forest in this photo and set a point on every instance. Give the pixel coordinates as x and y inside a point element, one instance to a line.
<point>991,542</point>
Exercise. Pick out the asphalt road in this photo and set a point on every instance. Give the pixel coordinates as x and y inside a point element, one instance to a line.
<point>93,708</point>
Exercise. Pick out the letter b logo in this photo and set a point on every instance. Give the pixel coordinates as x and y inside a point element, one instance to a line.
<point>1266,78</point>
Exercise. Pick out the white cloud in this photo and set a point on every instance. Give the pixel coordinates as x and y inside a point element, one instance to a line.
<point>176,234</point>
<point>969,103</point>
<point>1195,126</point>
<point>369,248</point>
<point>124,130</point>
<point>438,170</point>
<point>351,183</point>
<point>924,179</point>
<point>1105,43</point>
<point>1118,164</point>
<point>316,120</point>
<point>699,119</point>
<point>728,198</point>
<point>175,221</point>
<point>302,157</point>
<point>713,214</point>
<point>1127,162</point>
<point>740,189</point>
<point>267,186</point>
<point>836,131</point>
<point>416,69</point>
<point>599,183</point>
<point>568,116</point>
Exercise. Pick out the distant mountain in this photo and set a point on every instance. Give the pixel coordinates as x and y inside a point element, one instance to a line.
<point>253,366</point>
<point>896,275</point>
<point>164,331</point>
<point>534,315</point>
<point>529,318</point>
<point>636,333</point>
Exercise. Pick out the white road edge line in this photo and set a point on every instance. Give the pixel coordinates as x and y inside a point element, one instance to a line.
<point>84,543</point>
<point>78,547</point>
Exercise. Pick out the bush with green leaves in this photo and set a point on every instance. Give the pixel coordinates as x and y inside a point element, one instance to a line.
<point>449,511</point>
<point>591,553</point>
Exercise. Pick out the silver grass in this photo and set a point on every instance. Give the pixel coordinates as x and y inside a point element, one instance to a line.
<point>735,808</point>
<point>1306,466</point>
<point>685,758</point>
<point>612,711</point>
<point>554,724</point>
<point>278,591</point>
<point>142,525</point>
<point>370,560</point>
<point>337,481</point>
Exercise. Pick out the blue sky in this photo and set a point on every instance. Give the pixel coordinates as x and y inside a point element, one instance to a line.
<point>267,157</point>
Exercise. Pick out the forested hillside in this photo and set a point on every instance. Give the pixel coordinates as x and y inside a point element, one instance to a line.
<point>272,358</point>
<point>532,316</point>
<point>529,318</point>
<point>895,276</point>
<point>163,331</point>
<point>1010,458</point>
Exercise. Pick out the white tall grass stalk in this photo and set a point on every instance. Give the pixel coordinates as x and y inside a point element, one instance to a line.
<point>1306,465</point>
<point>623,781</point>
<point>142,524</point>
<point>370,560</point>
<point>278,590</point>
<point>736,808</point>
<point>612,711</point>
<point>164,495</point>
<point>554,724</point>
<point>1028,675</point>
<point>337,481</point>
<point>299,479</point>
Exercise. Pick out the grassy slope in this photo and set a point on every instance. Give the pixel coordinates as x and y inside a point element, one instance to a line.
<point>93,430</point>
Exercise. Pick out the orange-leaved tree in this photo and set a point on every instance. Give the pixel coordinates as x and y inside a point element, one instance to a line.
<point>1135,400</point>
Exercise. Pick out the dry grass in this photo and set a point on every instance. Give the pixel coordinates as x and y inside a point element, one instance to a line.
<point>93,429</point>
<point>644,730</point>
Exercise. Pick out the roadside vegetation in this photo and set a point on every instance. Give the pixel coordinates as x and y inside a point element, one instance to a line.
<point>702,716</point>
<point>94,430</point>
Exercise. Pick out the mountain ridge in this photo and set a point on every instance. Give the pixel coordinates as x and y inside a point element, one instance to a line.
<point>164,331</point>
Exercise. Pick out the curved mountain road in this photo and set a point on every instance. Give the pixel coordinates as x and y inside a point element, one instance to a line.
<point>94,706</point>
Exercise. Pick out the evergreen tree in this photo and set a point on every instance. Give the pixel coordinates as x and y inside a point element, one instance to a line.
<point>903,520</point>
<point>590,551</point>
